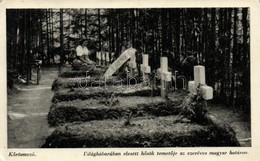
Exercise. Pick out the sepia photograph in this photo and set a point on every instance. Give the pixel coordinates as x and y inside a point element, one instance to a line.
<point>128,77</point>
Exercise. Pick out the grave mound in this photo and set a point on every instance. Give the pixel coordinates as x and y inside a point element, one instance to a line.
<point>109,108</point>
<point>69,94</point>
<point>141,132</point>
<point>84,82</point>
<point>186,125</point>
<point>68,72</point>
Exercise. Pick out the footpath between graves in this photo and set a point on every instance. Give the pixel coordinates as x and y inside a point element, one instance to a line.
<point>27,110</point>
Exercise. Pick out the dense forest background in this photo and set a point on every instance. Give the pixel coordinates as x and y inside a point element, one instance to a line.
<point>217,38</point>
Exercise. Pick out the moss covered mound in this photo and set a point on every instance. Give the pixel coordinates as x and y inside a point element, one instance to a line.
<point>102,108</point>
<point>78,73</point>
<point>68,72</point>
<point>85,82</point>
<point>68,94</point>
<point>142,132</point>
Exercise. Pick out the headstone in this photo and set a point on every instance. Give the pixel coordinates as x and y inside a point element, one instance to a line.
<point>199,83</point>
<point>127,54</point>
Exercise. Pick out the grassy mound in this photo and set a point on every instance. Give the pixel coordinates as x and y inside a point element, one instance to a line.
<point>142,132</point>
<point>78,73</point>
<point>102,108</point>
<point>67,94</point>
<point>83,82</point>
<point>68,72</point>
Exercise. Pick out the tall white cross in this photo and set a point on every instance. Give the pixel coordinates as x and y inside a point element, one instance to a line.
<point>107,58</point>
<point>165,76</point>
<point>112,57</point>
<point>103,58</point>
<point>145,68</point>
<point>199,83</point>
<point>98,56</point>
<point>132,65</point>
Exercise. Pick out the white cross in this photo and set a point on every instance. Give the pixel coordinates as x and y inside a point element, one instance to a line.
<point>145,68</point>
<point>107,58</point>
<point>200,81</point>
<point>132,65</point>
<point>165,75</point>
<point>98,56</point>
<point>103,58</point>
<point>112,57</point>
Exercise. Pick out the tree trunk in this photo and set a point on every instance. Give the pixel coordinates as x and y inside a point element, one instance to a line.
<point>205,38</point>
<point>212,57</point>
<point>86,23</point>
<point>28,44</point>
<point>117,35</point>
<point>52,35</point>
<point>99,31</point>
<point>246,60</point>
<point>61,38</point>
<point>47,37</point>
<point>177,34</point>
<point>232,96</point>
<point>164,29</point>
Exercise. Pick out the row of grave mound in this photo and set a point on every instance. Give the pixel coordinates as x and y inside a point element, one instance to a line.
<point>130,117</point>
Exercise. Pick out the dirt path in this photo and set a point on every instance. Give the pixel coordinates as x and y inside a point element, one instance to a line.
<point>27,112</point>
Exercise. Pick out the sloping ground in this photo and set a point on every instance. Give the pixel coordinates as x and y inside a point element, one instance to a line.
<point>142,132</point>
<point>237,120</point>
<point>94,109</point>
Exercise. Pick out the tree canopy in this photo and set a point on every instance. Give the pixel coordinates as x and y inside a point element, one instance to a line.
<point>215,37</point>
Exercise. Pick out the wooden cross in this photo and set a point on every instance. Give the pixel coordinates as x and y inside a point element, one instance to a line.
<point>145,68</point>
<point>199,84</point>
<point>165,76</point>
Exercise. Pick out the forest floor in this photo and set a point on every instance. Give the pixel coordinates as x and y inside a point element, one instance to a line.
<point>28,107</point>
